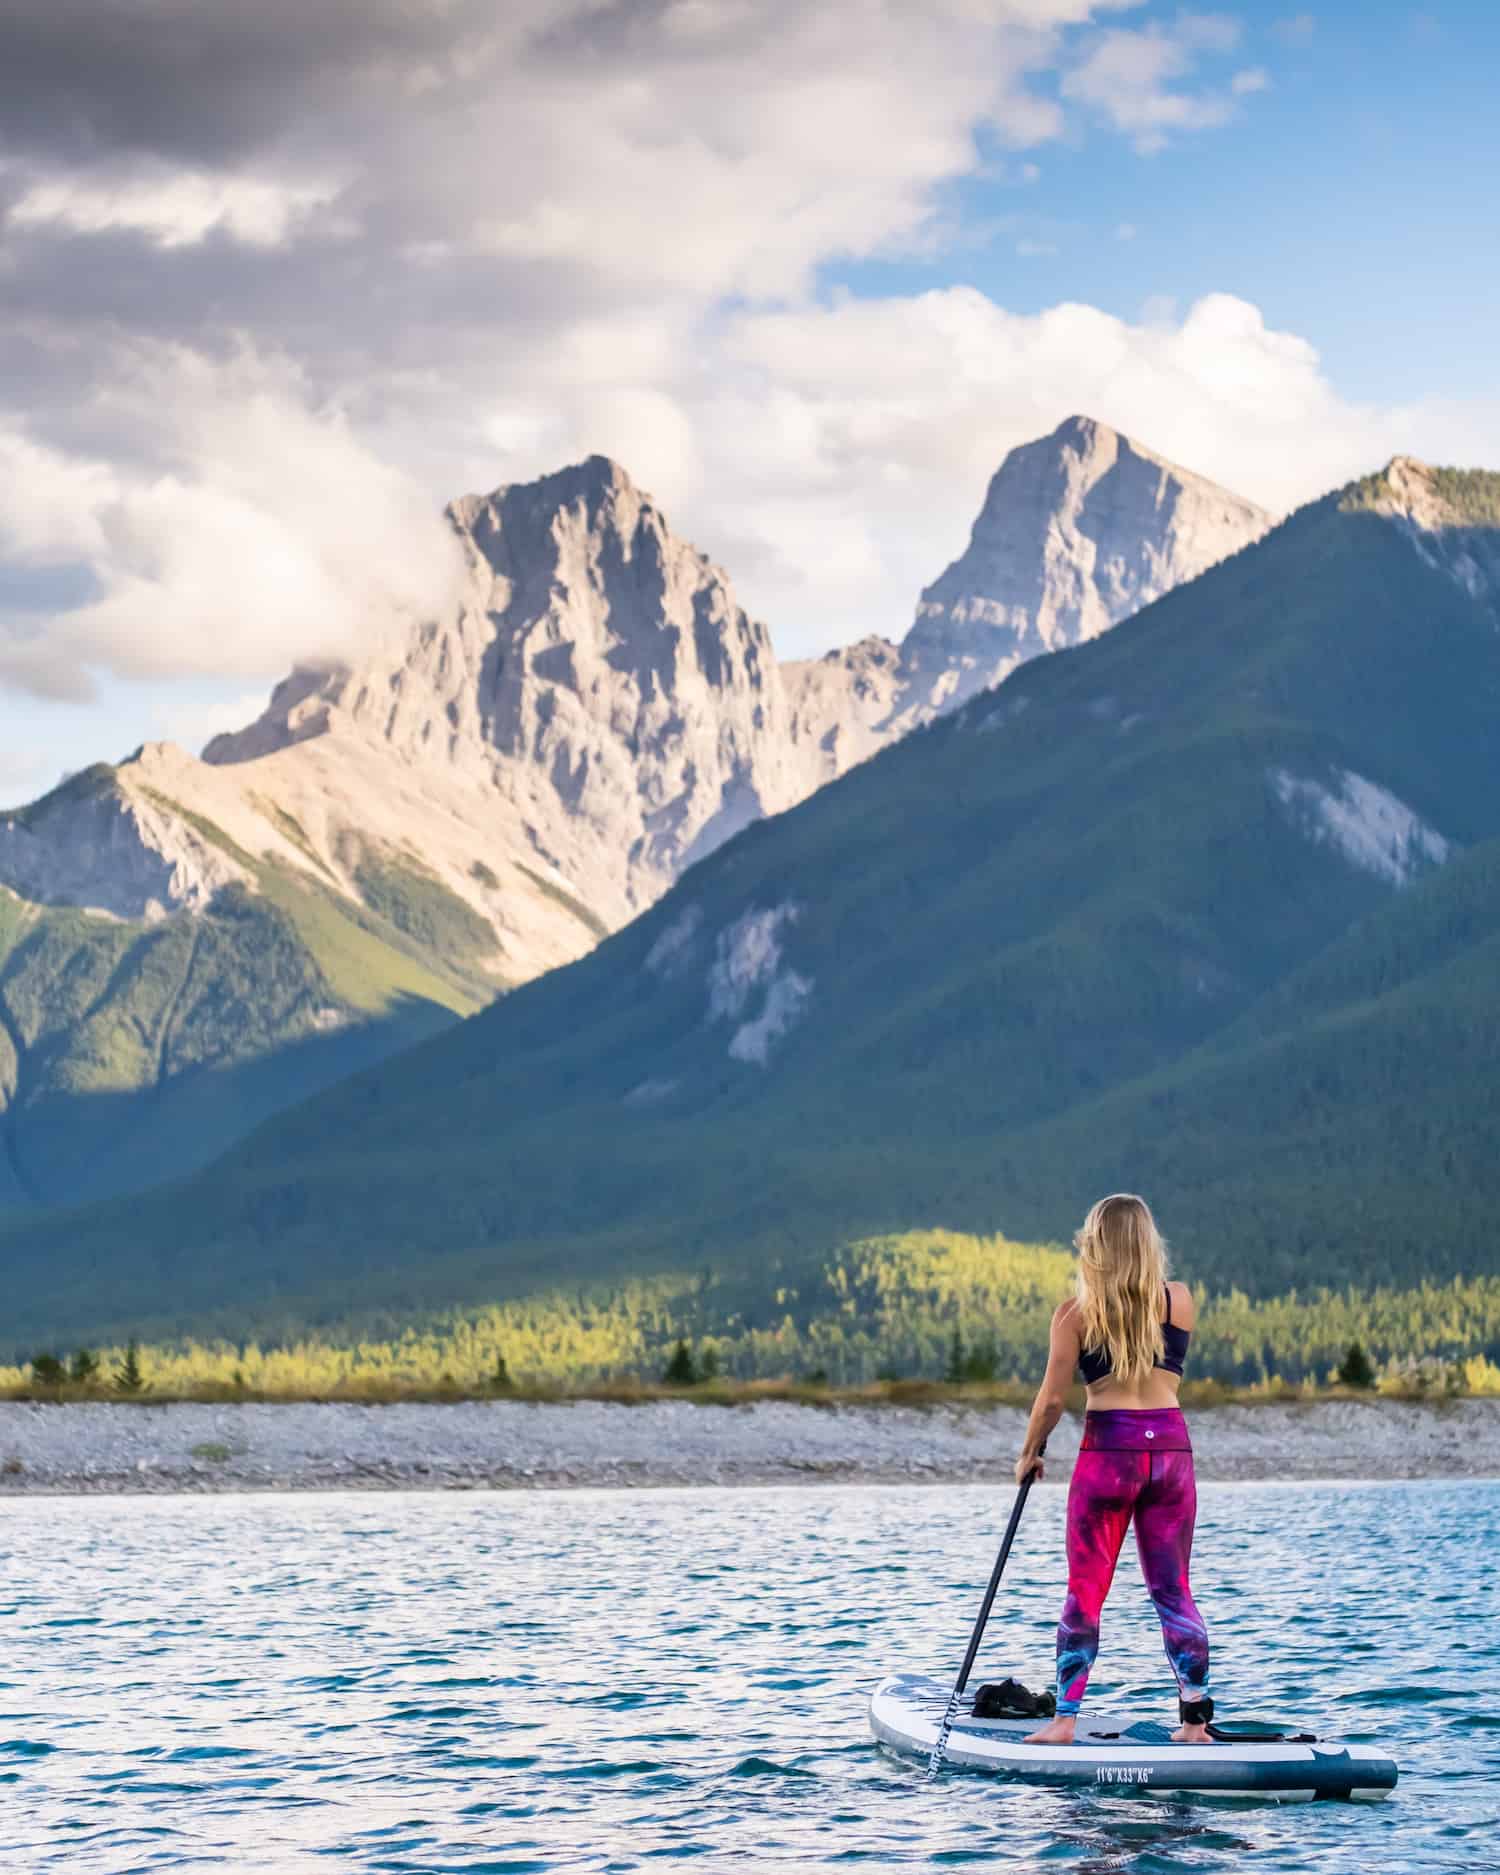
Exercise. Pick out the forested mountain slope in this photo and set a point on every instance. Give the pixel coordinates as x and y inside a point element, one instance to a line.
<point>1202,906</point>
<point>187,946</point>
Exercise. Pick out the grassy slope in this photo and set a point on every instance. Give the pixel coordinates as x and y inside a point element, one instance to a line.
<point>146,1050</point>
<point>1046,941</point>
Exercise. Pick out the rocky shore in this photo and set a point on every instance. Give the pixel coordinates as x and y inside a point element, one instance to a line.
<point>508,1445</point>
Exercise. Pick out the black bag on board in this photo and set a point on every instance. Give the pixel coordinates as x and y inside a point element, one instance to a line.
<point>1009,1699</point>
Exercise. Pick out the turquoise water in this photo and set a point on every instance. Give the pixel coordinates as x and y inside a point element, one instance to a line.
<point>611,1681</point>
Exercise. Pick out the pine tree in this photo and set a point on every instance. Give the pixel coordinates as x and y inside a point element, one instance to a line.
<point>500,1380</point>
<point>982,1362</point>
<point>682,1369</point>
<point>953,1373</point>
<point>128,1378</point>
<point>47,1370</point>
<point>84,1369</point>
<point>1355,1369</point>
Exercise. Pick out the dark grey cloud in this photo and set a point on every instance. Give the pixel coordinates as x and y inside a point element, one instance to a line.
<point>427,123</point>
<point>206,81</point>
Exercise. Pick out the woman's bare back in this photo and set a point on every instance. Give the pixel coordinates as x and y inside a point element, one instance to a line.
<point>1160,1386</point>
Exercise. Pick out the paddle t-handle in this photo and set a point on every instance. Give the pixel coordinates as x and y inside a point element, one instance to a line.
<point>940,1749</point>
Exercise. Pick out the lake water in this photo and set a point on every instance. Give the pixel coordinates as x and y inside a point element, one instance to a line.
<point>609,1681</point>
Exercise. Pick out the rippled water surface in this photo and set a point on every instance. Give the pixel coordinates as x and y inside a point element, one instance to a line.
<point>610,1681</point>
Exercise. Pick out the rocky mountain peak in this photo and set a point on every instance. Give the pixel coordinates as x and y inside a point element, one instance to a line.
<point>1450,516</point>
<point>1432,497</point>
<point>481,799</point>
<point>595,493</point>
<point>1077,530</point>
<point>1082,431</point>
<point>110,841</point>
<point>597,671</point>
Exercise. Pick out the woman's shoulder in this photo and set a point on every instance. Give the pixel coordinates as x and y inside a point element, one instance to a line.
<point>1184,1309</point>
<point>1065,1315</point>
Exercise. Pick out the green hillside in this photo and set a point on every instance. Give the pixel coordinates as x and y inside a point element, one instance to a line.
<point>1167,911</point>
<point>131,1052</point>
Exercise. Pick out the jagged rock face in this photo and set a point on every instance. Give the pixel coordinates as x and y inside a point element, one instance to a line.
<point>1077,531</point>
<point>596,711</point>
<point>95,843</point>
<point>844,705</point>
<point>392,843</point>
<point>598,674</point>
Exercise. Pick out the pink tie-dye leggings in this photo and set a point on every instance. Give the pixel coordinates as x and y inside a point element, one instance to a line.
<point>1132,1465</point>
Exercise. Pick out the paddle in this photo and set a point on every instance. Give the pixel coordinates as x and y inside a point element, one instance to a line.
<point>940,1749</point>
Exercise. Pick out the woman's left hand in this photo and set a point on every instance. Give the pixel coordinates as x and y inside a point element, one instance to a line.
<point>1029,1465</point>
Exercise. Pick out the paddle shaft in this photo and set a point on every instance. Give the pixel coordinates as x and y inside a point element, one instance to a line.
<point>939,1750</point>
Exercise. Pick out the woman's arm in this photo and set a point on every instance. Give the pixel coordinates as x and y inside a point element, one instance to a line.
<point>1052,1395</point>
<point>1184,1309</point>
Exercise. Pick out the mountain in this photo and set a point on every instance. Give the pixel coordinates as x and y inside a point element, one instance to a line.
<point>186,945</point>
<point>597,688</point>
<point>1078,530</point>
<point>171,974</point>
<point>1209,905</point>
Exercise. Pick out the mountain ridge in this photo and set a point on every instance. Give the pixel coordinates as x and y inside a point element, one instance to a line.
<point>967,984</point>
<point>470,804</point>
<point>1108,526</point>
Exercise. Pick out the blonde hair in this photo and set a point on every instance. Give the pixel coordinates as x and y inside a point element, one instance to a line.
<point>1122,1267</point>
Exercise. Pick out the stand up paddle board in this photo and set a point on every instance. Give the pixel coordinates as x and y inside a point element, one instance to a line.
<point>907,1709</point>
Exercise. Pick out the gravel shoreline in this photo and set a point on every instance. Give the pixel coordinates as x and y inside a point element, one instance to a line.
<point>508,1445</point>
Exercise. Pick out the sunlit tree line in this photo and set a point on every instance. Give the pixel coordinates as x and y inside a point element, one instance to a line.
<point>931,1305</point>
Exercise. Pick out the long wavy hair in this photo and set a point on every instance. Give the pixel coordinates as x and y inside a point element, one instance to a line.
<point>1122,1265</point>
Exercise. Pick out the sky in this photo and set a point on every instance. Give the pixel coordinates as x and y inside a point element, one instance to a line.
<point>277,280</point>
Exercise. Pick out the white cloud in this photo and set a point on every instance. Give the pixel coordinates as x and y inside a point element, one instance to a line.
<point>194,723</point>
<point>1254,78</point>
<point>1135,79</point>
<point>172,208</point>
<point>735,155</point>
<point>843,450</point>
<point>50,503</point>
<point>700,149</point>
<point>563,227</point>
<point>255,529</point>
<point>487,239</point>
<point>831,456</point>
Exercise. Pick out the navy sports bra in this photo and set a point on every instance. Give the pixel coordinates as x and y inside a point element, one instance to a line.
<point>1093,1364</point>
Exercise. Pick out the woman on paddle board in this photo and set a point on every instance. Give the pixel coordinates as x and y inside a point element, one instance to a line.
<point>1126,1331</point>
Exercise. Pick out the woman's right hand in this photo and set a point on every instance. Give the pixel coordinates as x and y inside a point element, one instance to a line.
<point>1029,1465</point>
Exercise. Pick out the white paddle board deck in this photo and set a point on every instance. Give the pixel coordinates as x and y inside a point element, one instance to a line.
<point>907,1709</point>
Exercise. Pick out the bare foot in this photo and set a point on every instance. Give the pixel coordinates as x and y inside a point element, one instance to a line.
<point>1055,1732</point>
<point>1191,1735</point>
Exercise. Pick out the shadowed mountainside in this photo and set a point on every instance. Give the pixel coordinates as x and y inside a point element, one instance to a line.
<point>186,946</point>
<point>1209,906</point>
